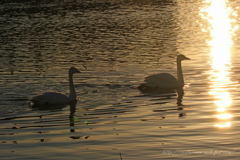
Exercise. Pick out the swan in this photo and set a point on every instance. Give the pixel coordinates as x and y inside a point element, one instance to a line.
<point>53,99</point>
<point>165,82</point>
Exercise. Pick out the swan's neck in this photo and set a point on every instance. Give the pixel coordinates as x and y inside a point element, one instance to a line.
<point>72,93</point>
<point>180,73</point>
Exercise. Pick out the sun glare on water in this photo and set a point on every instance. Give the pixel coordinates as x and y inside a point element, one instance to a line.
<point>221,31</point>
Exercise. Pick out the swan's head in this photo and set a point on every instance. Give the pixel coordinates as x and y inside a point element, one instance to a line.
<point>181,57</point>
<point>73,70</point>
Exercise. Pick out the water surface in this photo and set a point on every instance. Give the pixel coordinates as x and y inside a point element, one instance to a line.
<point>116,44</point>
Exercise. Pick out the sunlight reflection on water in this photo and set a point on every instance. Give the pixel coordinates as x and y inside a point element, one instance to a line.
<point>221,30</point>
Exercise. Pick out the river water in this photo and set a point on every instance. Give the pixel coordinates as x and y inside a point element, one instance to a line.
<point>115,44</point>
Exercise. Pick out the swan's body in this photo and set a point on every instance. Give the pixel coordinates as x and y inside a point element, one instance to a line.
<point>164,82</point>
<point>50,99</point>
<point>53,99</point>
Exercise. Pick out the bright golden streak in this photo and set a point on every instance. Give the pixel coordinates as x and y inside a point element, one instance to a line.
<point>221,109</point>
<point>224,99</point>
<point>218,16</point>
<point>223,125</point>
<point>224,116</point>
<point>221,42</point>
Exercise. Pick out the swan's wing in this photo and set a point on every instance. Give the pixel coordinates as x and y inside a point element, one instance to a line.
<point>50,98</point>
<point>162,80</point>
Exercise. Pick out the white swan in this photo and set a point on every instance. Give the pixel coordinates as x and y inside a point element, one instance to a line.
<point>165,82</point>
<point>52,99</point>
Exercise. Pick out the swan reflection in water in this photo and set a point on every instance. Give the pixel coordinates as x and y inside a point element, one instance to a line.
<point>179,104</point>
<point>72,108</point>
<point>179,108</point>
<point>71,116</point>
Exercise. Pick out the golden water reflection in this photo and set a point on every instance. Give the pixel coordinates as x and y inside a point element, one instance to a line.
<point>221,30</point>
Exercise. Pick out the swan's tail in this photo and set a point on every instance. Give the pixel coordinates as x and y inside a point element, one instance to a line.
<point>142,87</point>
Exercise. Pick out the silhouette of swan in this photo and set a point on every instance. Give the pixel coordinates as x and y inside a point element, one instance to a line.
<point>165,82</point>
<point>56,100</point>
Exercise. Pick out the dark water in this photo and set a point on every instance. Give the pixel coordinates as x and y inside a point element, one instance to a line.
<point>116,44</point>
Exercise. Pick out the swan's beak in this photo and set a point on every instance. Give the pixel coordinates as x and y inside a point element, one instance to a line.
<point>186,58</point>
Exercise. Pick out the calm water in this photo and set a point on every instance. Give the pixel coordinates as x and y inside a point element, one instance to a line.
<point>116,44</point>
